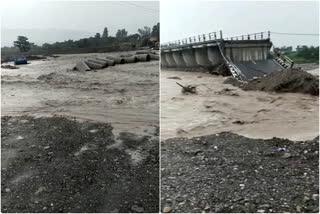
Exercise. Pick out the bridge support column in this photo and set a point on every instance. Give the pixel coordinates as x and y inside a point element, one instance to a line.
<point>164,62</point>
<point>189,57</point>
<point>170,59</point>
<point>201,55</point>
<point>214,55</point>
<point>177,56</point>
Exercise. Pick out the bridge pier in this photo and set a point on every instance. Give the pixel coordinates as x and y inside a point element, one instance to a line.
<point>201,56</point>
<point>169,57</point>
<point>214,55</point>
<point>178,58</point>
<point>164,62</point>
<point>189,57</point>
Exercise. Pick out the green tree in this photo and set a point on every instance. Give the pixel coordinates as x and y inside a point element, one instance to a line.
<point>133,38</point>
<point>145,32</point>
<point>286,49</point>
<point>308,52</point>
<point>105,33</point>
<point>121,34</point>
<point>22,43</point>
<point>97,36</point>
<point>156,31</point>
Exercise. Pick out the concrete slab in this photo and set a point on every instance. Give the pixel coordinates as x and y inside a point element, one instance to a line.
<point>93,65</point>
<point>82,66</point>
<point>257,68</point>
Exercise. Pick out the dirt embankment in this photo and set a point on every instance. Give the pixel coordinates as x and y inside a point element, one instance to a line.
<point>230,173</point>
<point>293,80</point>
<point>60,165</point>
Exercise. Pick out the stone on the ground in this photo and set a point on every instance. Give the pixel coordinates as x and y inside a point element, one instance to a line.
<point>137,209</point>
<point>167,209</point>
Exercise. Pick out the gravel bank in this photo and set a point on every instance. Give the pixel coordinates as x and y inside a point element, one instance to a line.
<point>230,173</point>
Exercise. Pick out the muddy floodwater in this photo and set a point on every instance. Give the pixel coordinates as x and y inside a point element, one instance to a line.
<point>221,107</point>
<point>126,96</point>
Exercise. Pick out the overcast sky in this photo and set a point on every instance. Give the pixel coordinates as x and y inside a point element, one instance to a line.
<point>181,19</point>
<point>75,18</point>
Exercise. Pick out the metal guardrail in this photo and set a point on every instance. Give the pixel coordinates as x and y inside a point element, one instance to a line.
<point>193,40</point>
<point>253,36</point>
<point>284,58</point>
<point>287,60</point>
<point>213,37</point>
<point>235,71</point>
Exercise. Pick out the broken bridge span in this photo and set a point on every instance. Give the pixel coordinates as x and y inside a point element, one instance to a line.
<point>246,56</point>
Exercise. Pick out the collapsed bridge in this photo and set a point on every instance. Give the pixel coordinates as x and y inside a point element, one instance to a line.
<point>245,57</point>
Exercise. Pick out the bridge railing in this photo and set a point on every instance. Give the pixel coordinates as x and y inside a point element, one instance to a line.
<point>253,36</point>
<point>194,39</point>
<point>214,36</point>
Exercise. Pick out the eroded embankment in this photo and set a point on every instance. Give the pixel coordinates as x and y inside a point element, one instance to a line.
<point>230,173</point>
<point>60,165</point>
<point>292,80</point>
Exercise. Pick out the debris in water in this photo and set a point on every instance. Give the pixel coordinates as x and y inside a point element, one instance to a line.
<point>35,57</point>
<point>174,78</point>
<point>9,67</point>
<point>233,81</point>
<point>240,122</point>
<point>192,89</point>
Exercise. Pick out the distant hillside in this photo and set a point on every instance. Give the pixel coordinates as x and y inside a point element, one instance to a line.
<point>41,36</point>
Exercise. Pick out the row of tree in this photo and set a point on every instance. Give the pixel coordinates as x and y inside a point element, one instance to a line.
<point>142,38</point>
<point>302,53</point>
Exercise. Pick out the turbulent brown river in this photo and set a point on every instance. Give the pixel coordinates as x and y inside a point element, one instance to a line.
<point>126,96</point>
<point>221,107</point>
